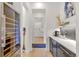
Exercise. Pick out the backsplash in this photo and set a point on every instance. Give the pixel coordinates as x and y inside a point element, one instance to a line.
<point>69,33</point>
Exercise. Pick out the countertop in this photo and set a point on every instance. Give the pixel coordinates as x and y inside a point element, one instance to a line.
<point>68,43</point>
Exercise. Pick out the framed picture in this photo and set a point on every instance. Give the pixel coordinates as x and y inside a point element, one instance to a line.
<point>69,9</point>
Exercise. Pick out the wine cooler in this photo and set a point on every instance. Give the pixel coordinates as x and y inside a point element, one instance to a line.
<point>9,30</point>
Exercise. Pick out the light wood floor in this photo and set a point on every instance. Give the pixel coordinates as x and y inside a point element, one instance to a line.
<point>38,40</point>
<point>37,52</point>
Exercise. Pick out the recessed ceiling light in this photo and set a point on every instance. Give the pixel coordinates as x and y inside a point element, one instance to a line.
<point>38,5</point>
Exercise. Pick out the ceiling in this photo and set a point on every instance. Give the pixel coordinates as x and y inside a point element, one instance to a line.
<point>39,10</point>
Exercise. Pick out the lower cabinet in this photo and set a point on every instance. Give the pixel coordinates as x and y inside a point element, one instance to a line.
<point>64,52</point>
<point>59,50</point>
<point>53,47</point>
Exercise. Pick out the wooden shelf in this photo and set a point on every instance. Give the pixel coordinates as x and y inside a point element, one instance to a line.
<point>10,33</point>
<point>11,37</point>
<point>10,42</point>
<point>10,19</point>
<point>9,47</point>
<point>11,28</point>
<point>10,53</point>
<point>10,23</point>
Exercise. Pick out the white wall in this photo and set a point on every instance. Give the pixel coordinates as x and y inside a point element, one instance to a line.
<point>77,28</point>
<point>52,11</point>
<point>24,25</point>
<point>27,23</point>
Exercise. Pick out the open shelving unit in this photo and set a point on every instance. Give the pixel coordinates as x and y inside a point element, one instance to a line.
<point>12,25</point>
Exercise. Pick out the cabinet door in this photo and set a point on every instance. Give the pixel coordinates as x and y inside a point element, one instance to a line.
<point>54,49</point>
<point>59,51</point>
<point>64,52</point>
<point>50,44</point>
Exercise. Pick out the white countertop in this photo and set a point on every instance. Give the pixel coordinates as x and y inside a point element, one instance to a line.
<point>68,43</point>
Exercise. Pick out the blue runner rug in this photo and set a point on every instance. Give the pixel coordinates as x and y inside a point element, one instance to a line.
<point>39,45</point>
